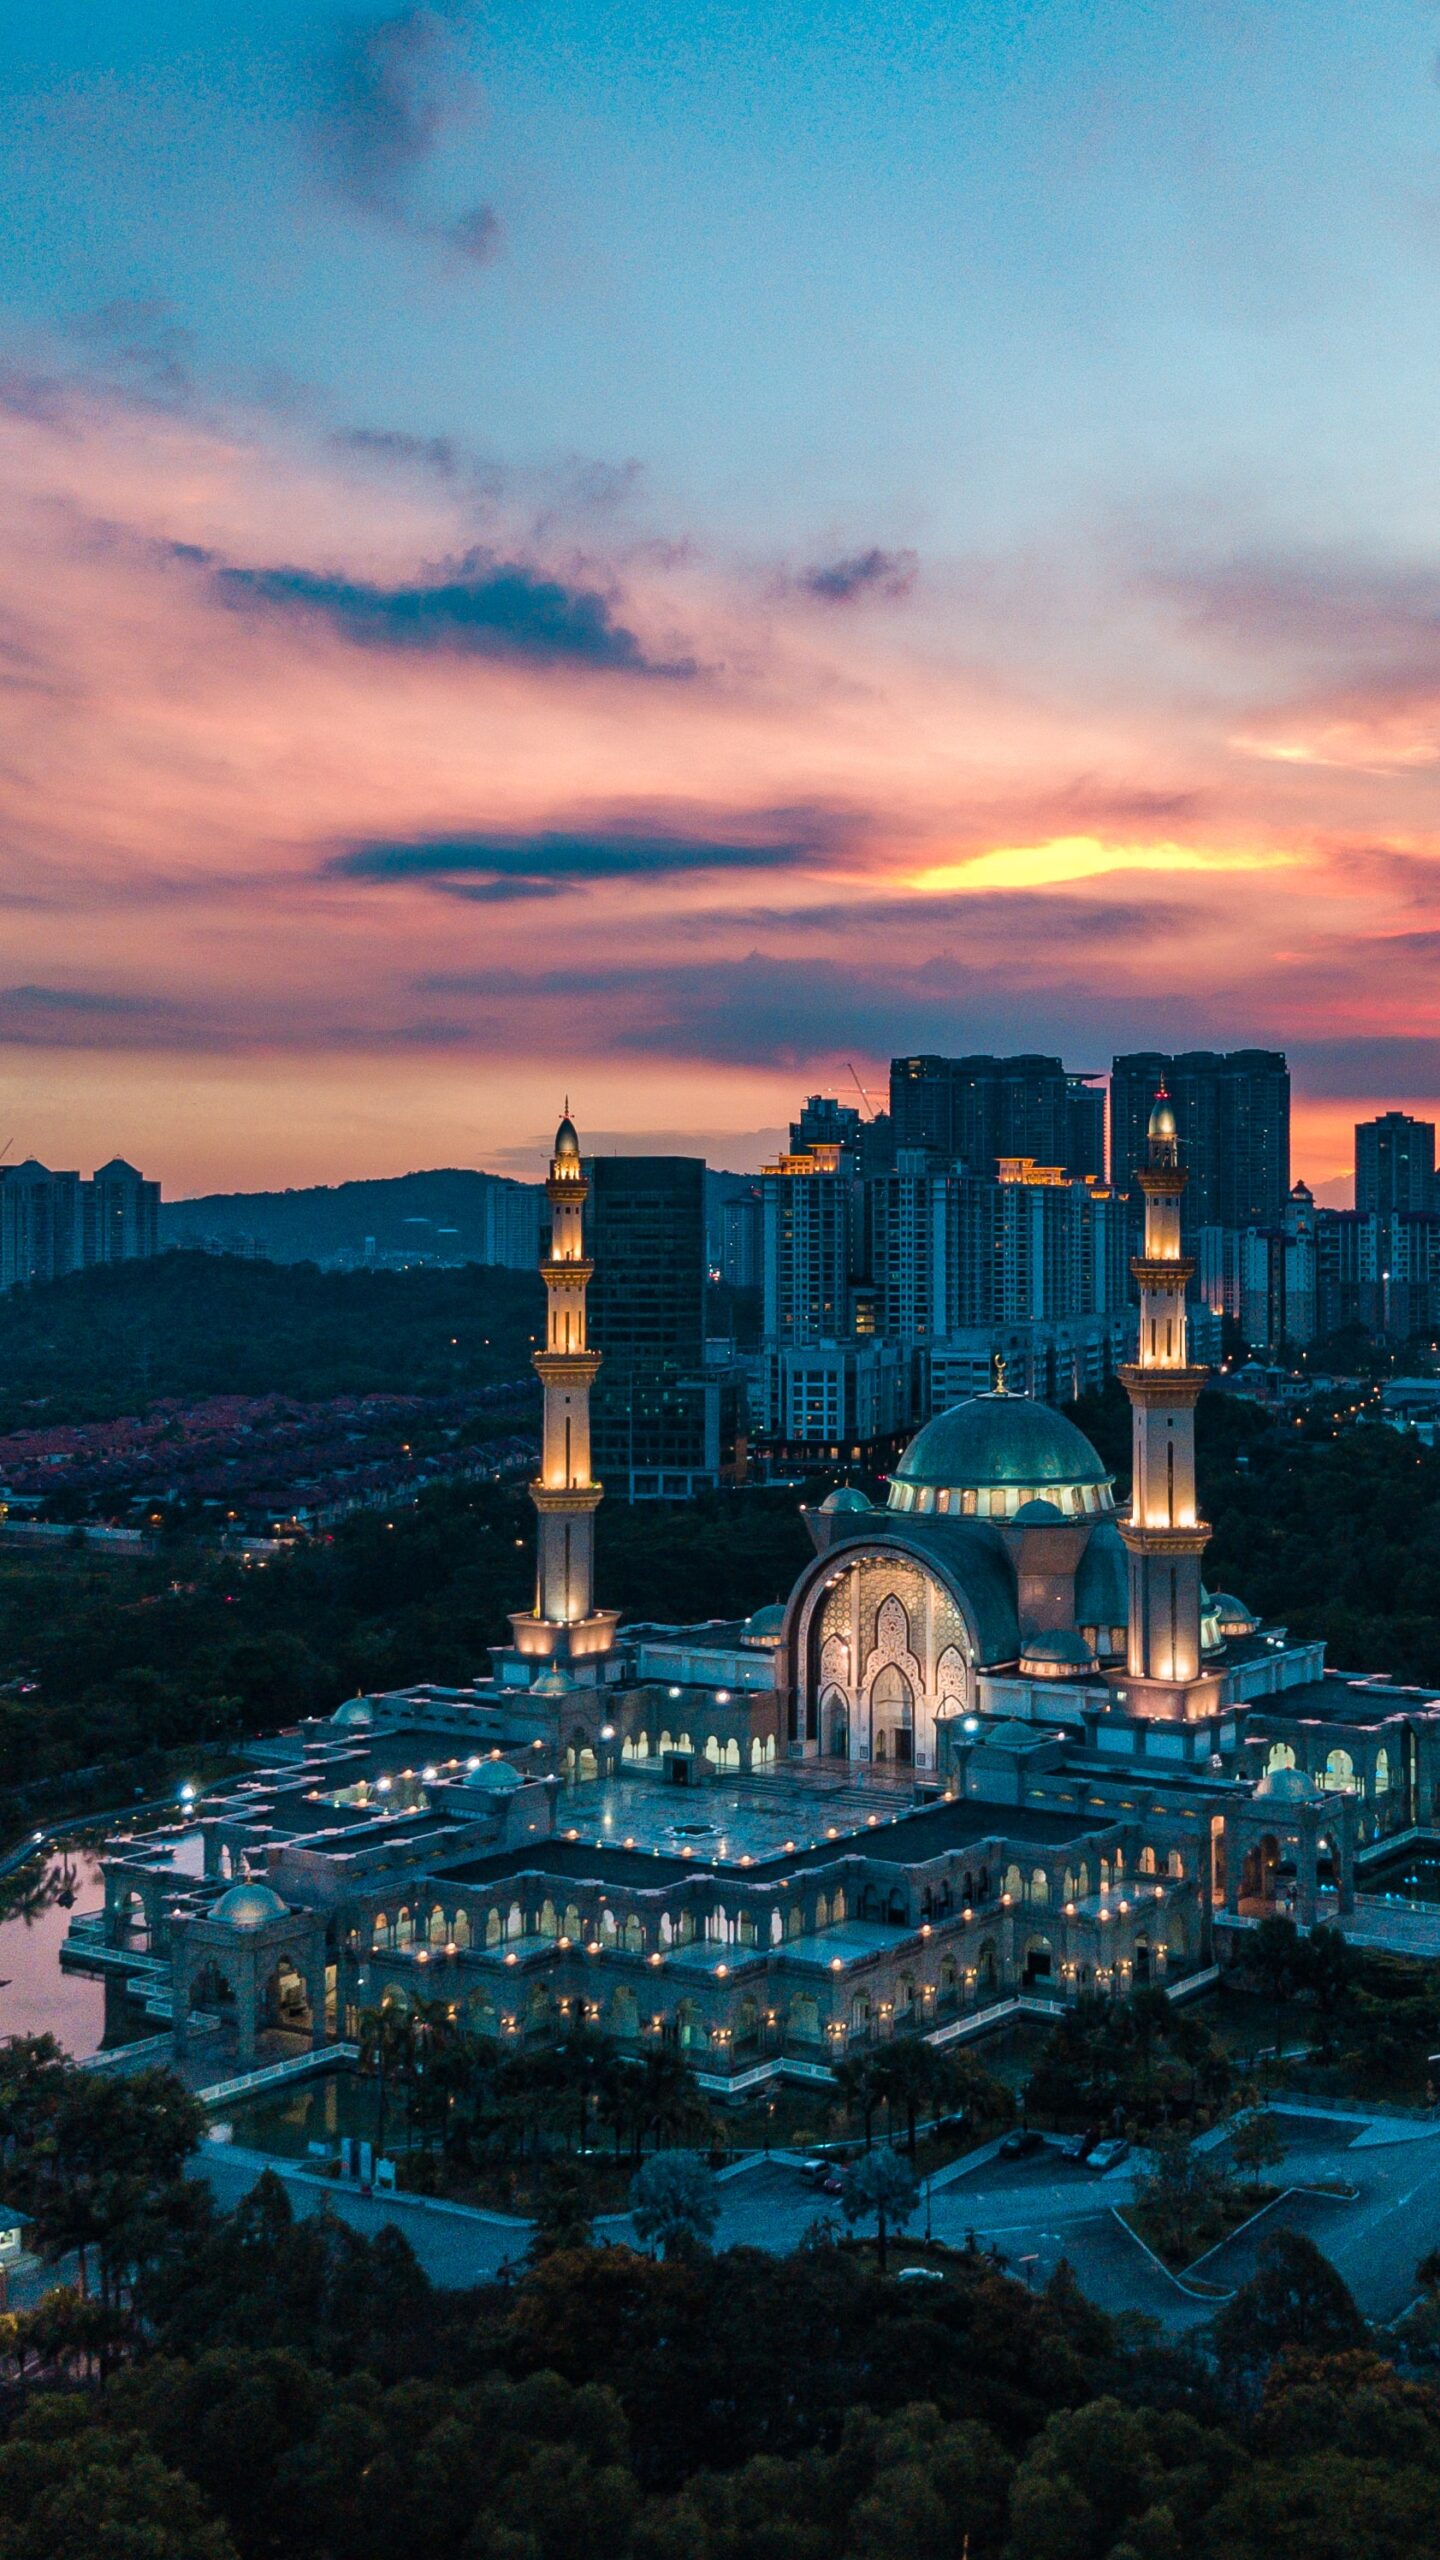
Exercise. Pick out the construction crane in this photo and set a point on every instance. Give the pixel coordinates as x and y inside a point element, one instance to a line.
<point>860,1089</point>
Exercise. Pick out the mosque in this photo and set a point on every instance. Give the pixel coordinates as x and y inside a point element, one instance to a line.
<point>999,1746</point>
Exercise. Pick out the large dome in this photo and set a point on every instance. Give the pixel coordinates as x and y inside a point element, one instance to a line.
<point>992,1455</point>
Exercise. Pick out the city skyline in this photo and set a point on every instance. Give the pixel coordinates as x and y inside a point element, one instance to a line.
<point>670,559</point>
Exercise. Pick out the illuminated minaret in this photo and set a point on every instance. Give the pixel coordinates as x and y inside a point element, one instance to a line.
<point>1165,1535</point>
<point>564,1626</point>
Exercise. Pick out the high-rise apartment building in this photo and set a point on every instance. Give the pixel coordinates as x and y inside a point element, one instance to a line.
<point>645,1235</point>
<point>54,1223</point>
<point>1394,1165</point>
<point>972,1111</point>
<point>1084,1151</point>
<point>1232,1113</point>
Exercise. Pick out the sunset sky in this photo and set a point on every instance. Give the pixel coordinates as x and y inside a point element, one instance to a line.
<point>662,548</point>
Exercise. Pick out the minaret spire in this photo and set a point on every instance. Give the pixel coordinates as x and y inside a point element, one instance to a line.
<point>565,1626</point>
<point>1165,1534</point>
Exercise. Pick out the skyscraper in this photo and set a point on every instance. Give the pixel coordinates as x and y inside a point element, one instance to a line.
<point>1394,1164</point>
<point>974,1110</point>
<point>1232,1117</point>
<point>645,1232</point>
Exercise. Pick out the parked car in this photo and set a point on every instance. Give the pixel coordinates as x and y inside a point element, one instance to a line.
<point>832,2184</point>
<point>816,2170</point>
<point>1078,2146</point>
<point>918,2275</point>
<point>1022,2144</point>
<point>1107,2155</point>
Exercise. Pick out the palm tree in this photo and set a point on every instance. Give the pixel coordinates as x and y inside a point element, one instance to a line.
<point>385,2039</point>
<point>882,2188</point>
<point>859,2082</point>
<point>912,2074</point>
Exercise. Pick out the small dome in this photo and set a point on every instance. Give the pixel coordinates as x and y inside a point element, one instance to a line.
<point>248,1906</point>
<point>1050,1657</point>
<point>494,1778</point>
<point>1162,1118</point>
<point>1232,1616</point>
<point>1286,1786</point>
<point>765,1626</point>
<point>354,1711</point>
<point>847,1497</point>
<point>1034,1515</point>
<point>567,1142</point>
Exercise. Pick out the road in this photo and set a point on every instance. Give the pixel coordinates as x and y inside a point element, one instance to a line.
<point>1033,2211</point>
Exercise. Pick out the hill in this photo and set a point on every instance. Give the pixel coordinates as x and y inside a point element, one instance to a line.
<point>114,1340</point>
<point>464,1216</point>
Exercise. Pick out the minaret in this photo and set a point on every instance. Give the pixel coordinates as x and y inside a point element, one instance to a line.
<point>1165,1535</point>
<point>565,1626</point>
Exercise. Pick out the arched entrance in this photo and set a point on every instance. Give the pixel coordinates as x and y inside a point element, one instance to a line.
<point>892,1715</point>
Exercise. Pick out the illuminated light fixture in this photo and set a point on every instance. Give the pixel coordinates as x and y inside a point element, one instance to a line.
<point>511,1957</point>
<point>473,1763</point>
<point>722,1697</point>
<point>674,1693</point>
<point>837,1964</point>
<point>657,1959</point>
<point>593,1948</point>
<point>607,1733</point>
<point>720,1971</point>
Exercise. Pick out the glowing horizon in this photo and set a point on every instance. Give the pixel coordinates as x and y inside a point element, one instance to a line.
<point>677,569</point>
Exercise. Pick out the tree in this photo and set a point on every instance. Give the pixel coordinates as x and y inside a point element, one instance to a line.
<point>910,2073</point>
<point>1179,2201</point>
<point>860,2083</point>
<point>70,2490</point>
<point>1295,2298</point>
<point>562,2209</point>
<point>385,2044</point>
<point>880,2188</point>
<point>673,2201</point>
<point>1257,2143</point>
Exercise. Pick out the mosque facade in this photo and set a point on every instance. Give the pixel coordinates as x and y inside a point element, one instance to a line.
<point>1000,1745</point>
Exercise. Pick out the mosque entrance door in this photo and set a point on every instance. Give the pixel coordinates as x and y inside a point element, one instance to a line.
<point>892,1715</point>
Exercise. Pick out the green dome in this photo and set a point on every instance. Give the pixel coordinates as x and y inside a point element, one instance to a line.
<point>248,1906</point>
<point>994,1455</point>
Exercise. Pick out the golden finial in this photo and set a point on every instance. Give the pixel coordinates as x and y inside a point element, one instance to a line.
<point>1000,1367</point>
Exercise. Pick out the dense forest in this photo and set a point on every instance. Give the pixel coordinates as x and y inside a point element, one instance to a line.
<point>250,2387</point>
<point>115,1340</point>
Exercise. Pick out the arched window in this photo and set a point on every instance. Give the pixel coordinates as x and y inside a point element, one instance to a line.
<point>837,1907</point>
<point>462,1928</point>
<point>1147,1862</point>
<point>493,1929</point>
<point>1339,1773</point>
<point>822,1913</point>
<point>549,1920</point>
<point>437,1927</point>
<point>608,1930</point>
<point>1279,1756</point>
<point>1039,1887</point>
<point>570,1926</point>
<point>515,1922</point>
<point>1382,1771</point>
<point>1175,1865</point>
<point>634,1937</point>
